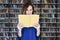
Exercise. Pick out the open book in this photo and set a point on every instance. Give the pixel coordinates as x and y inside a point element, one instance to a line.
<point>28,20</point>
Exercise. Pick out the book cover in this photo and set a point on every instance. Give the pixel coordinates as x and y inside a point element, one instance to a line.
<point>28,20</point>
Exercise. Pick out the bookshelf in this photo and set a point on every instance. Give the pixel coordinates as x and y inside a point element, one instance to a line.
<point>58,22</point>
<point>49,18</point>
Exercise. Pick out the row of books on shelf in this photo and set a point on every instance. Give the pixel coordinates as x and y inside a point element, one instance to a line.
<point>2,38</point>
<point>7,34</point>
<point>6,21</point>
<point>3,20</point>
<point>48,29</point>
<point>48,24</point>
<point>49,38</point>
<point>17,6</point>
<point>58,20</point>
<point>58,29</point>
<point>3,10</point>
<point>47,19</point>
<point>24,1</point>
<point>5,30</point>
<point>52,14</point>
<point>58,15</point>
<point>38,6</point>
<point>6,15</point>
<point>48,34</point>
<point>19,1</point>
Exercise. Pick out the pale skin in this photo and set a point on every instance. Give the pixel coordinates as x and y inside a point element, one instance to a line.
<point>20,25</point>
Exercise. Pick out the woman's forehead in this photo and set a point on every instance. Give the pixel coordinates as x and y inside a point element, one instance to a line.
<point>29,7</point>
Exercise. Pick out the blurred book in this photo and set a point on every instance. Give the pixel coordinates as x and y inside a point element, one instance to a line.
<point>45,1</point>
<point>4,1</point>
<point>28,20</point>
<point>0,1</point>
<point>14,1</point>
<point>24,1</point>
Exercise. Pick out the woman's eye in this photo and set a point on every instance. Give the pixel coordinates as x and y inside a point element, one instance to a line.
<point>30,9</point>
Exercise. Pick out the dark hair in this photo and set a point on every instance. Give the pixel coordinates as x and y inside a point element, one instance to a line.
<point>25,6</point>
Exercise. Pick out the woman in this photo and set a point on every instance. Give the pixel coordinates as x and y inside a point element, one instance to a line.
<point>28,33</point>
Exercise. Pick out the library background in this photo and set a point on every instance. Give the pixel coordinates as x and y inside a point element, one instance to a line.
<point>49,11</point>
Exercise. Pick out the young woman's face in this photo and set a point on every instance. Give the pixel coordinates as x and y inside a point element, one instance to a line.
<point>29,10</point>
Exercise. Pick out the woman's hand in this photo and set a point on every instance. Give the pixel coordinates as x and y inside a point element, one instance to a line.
<point>37,26</point>
<point>19,26</point>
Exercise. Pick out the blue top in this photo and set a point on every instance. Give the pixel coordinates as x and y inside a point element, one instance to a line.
<point>28,33</point>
